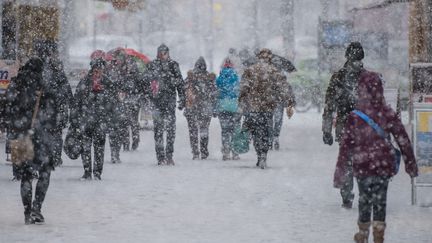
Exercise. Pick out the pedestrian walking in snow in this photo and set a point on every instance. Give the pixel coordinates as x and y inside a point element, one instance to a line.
<point>228,89</point>
<point>340,99</point>
<point>32,113</point>
<point>93,105</point>
<point>131,96</point>
<point>166,83</point>
<point>262,88</point>
<point>367,147</point>
<point>284,66</point>
<point>200,91</point>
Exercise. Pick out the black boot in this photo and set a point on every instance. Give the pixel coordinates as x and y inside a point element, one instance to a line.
<point>37,217</point>
<point>28,219</point>
<point>86,176</point>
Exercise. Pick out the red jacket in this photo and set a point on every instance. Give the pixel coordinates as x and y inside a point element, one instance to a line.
<point>370,154</point>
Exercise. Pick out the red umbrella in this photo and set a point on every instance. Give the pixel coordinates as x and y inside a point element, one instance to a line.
<point>121,53</point>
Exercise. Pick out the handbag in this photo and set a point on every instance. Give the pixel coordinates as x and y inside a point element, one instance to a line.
<point>384,135</point>
<point>22,148</point>
<point>240,141</point>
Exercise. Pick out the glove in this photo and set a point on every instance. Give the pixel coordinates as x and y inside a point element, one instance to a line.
<point>289,112</point>
<point>181,106</point>
<point>328,138</point>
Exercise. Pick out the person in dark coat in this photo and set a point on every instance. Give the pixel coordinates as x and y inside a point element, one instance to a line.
<point>56,112</point>
<point>372,156</point>
<point>263,86</point>
<point>200,100</point>
<point>228,85</point>
<point>132,91</point>
<point>166,81</point>
<point>340,99</point>
<point>93,105</point>
<point>22,96</point>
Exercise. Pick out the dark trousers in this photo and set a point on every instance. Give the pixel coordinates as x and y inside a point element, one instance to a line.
<point>95,137</point>
<point>199,133</point>
<point>372,197</point>
<point>164,122</point>
<point>259,124</point>
<point>28,174</point>
<point>277,122</point>
<point>346,190</point>
<point>229,121</point>
<point>115,140</point>
<point>131,120</point>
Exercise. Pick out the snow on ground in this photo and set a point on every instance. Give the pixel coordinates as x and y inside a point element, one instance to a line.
<point>208,201</point>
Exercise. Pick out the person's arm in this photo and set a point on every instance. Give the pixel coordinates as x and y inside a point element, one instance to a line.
<point>345,148</point>
<point>180,86</point>
<point>404,143</point>
<point>329,110</point>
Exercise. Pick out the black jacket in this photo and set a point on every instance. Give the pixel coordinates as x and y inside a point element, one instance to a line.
<point>166,82</point>
<point>341,97</point>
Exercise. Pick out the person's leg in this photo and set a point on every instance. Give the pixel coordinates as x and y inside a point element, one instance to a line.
<point>278,121</point>
<point>115,138</point>
<point>347,189</point>
<point>86,155</point>
<point>158,130</point>
<point>264,131</point>
<point>235,123</point>
<point>57,147</point>
<point>365,209</point>
<point>379,208</point>
<point>41,190</point>
<point>171,132</point>
<point>99,139</point>
<point>193,134</point>
<point>26,191</point>
<point>204,124</point>
<point>224,119</point>
<point>135,126</point>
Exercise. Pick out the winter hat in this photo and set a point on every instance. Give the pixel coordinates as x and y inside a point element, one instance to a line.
<point>200,65</point>
<point>34,64</point>
<point>370,91</point>
<point>227,63</point>
<point>354,51</point>
<point>265,54</point>
<point>162,48</point>
<point>97,58</point>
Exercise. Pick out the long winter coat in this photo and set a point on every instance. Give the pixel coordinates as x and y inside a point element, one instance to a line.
<point>341,97</point>
<point>200,90</point>
<point>228,85</point>
<point>21,97</point>
<point>263,87</point>
<point>94,104</point>
<point>166,81</point>
<point>370,154</point>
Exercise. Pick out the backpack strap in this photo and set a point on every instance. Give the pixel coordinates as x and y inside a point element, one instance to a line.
<point>372,123</point>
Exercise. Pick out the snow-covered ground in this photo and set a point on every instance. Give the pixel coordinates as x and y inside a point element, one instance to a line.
<point>209,201</point>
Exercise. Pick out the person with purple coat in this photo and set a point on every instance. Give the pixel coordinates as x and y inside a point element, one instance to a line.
<point>372,156</point>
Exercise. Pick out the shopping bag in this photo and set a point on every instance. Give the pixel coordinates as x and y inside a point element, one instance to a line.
<point>240,141</point>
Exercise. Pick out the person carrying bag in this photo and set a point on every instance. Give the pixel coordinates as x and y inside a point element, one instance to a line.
<point>22,148</point>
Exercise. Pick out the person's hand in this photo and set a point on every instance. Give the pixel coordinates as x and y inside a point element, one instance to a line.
<point>181,106</point>
<point>289,112</point>
<point>215,114</point>
<point>327,138</point>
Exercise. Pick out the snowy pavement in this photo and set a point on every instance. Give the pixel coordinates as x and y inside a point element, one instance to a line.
<point>209,201</point>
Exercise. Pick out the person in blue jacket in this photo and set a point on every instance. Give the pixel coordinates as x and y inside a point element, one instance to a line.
<point>228,85</point>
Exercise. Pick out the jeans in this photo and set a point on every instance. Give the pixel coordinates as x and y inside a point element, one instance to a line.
<point>277,122</point>
<point>229,121</point>
<point>372,197</point>
<point>164,121</point>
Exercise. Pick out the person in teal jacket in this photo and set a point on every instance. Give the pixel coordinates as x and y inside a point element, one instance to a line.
<point>228,85</point>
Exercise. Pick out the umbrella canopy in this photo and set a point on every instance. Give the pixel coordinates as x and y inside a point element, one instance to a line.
<point>124,54</point>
